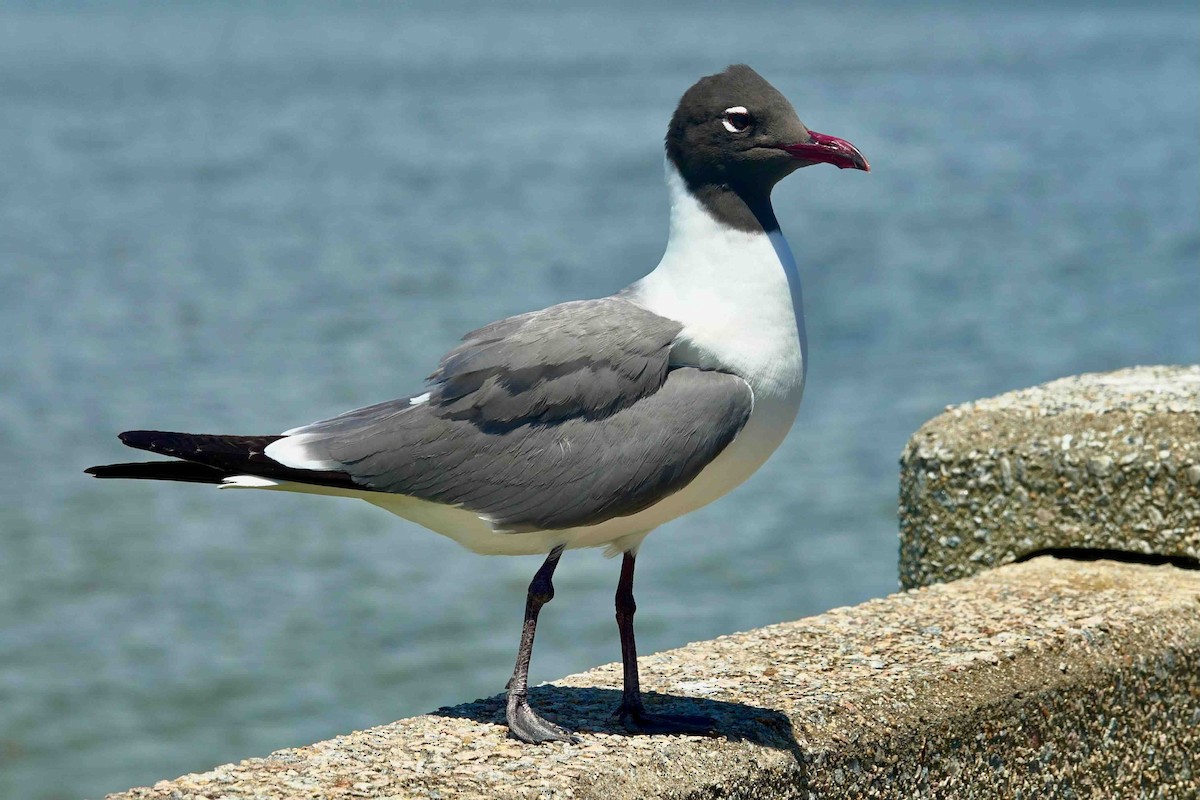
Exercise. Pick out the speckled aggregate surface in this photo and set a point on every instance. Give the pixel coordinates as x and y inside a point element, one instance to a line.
<point>1048,678</point>
<point>1102,461</point>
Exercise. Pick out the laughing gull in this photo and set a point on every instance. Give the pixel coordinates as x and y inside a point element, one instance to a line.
<point>588,423</point>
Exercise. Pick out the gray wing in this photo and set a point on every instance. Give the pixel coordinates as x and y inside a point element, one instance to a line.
<point>556,419</point>
<point>588,358</point>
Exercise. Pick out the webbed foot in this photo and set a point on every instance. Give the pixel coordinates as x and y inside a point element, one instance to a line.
<point>525,724</point>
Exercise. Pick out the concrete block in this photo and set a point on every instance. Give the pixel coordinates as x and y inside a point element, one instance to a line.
<point>1049,678</point>
<point>1104,462</point>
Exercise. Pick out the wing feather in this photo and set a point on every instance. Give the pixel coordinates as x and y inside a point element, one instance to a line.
<point>560,418</point>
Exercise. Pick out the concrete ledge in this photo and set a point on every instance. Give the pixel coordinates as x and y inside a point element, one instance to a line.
<point>1046,678</point>
<point>1107,461</point>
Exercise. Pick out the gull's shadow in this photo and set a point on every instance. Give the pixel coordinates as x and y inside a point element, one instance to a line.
<point>588,710</point>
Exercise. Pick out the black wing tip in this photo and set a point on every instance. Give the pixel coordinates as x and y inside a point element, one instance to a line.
<point>185,471</point>
<point>107,470</point>
<point>139,439</point>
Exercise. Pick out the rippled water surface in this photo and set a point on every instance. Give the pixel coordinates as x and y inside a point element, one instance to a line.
<point>235,219</point>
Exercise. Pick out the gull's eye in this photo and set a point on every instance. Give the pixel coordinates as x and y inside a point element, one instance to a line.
<point>736,119</point>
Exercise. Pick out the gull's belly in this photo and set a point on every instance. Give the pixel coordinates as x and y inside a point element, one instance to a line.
<point>767,427</point>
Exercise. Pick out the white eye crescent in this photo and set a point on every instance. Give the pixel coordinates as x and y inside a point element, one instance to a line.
<point>736,119</point>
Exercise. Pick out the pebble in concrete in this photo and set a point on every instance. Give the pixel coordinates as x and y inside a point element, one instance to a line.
<point>1047,678</point>
<point>1107,461</point>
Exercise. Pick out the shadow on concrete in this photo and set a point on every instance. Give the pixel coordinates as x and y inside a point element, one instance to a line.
<point>588,710</point>
<point>1104,554</point>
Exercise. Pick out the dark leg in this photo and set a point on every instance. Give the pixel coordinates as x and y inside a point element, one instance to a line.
<point>523,723</point>
<point>632,713</point>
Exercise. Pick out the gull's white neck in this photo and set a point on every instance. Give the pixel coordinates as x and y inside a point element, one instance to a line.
<point>737,295</point>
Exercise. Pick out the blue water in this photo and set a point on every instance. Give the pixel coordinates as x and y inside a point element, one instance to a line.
<point>235,219</point>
